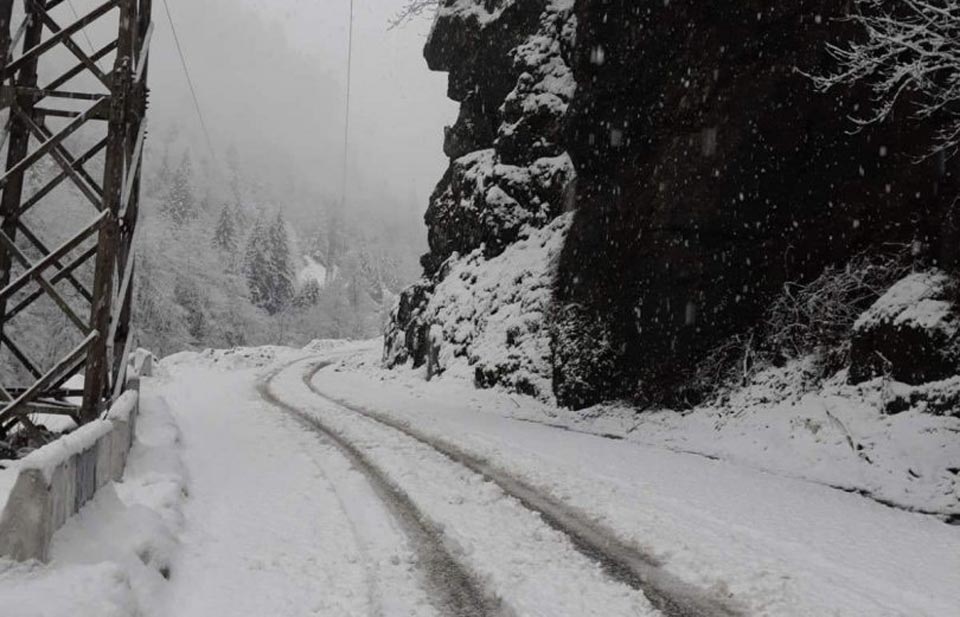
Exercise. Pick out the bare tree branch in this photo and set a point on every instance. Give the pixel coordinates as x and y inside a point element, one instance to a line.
<point>910,46</point>
<point>412,10</point>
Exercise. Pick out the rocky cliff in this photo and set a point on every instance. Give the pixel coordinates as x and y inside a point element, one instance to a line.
<point>709,173</point>
<point>510,69</point>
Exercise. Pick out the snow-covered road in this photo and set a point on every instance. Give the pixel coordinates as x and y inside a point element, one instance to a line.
<point>279,520</point>
<point>317,490</point>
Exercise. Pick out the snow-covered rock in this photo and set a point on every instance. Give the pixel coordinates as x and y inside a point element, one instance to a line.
<point>487,320</point>
<point>910,333</point>
<point>509,65</point>
<point>510,69</point>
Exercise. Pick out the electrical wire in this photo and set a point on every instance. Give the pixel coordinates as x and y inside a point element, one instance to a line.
<point>346,122</point>
<point>186,72</point>
<point>76,15</point>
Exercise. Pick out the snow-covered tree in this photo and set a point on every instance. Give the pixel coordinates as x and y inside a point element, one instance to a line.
<point>908,48</point>
<point>308,295</point>
<point>281,262</point>
<point>187,295</point>
<point>179,204</point>
<point>225,235</point>
<point>268,267</point>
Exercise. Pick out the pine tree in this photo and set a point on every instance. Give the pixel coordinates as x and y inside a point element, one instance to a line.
<point>225,233</point>
<point>281,263</point>
<point>179,205</point>
<point>255,264</point>
<point>267,266</point>
<point>309,294</point>
<point>187,295</point>
<point>163,177</point>
<point>335,242</point>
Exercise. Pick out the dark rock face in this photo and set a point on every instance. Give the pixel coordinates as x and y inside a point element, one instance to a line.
<point>710,172</point>
<point>509,67</point>
<point>911,334</point>
<point>704,170</point>
<point>406,338</point>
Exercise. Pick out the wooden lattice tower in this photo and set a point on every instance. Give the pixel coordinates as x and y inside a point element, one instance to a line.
<point>60,131</point>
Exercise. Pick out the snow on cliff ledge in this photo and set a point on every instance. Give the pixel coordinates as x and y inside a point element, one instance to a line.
<point>493,313</point>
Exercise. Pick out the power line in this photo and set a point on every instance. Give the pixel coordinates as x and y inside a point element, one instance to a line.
<point>186,72</point>
<point>346,122</point>
<point>84,29</point>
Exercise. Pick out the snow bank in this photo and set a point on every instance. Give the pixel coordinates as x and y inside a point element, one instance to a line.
<point>237,358</point>
<point>55,481</point>
<point>113,558</point>
<point>774,545</point>
<point>839,435</point>
<point>325,344</point>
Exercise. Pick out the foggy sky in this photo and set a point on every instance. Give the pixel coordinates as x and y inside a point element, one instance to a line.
<point>271,78</point>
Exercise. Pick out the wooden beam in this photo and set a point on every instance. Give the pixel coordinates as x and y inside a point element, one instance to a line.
<point>66,274</point>
<point>36,51</point>
<point>70,44</point>
<point>8,94</point>
<point>19,134</point>
<point>57,253</point>
<point>56,278</point>
<point>55,182</point>
<point>144,55</point>
<point>81,179</point>
<point>130,178</point>
<point>43,282</point>
<point>81,67</point>
<point>50,144</point>
<point>31,393</point>
<point>68,160</point>
<point>96,380</point>
<point>20,355</point>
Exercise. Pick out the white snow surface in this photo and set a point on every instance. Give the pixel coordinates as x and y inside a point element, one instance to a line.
<point>530,567</point>
<point>47,458</point>
<point>109,560</point>
<point>777,545</point>
<point>493,311</point>
<point>277,520</point>
<point>915,301</point>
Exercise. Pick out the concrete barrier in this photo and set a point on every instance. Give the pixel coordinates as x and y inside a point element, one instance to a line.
<point>55,481</point>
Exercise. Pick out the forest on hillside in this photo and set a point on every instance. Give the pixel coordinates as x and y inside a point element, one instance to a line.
<point>227,259</point>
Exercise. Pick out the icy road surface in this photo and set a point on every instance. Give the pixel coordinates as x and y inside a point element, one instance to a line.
<point>316,490</point>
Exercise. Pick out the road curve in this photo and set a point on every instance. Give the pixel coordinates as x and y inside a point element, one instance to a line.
<point>620,561</point>
<point>453,592</point>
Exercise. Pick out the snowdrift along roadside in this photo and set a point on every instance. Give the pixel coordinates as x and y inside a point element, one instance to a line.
<point>112,559</point>
<point>783,546</point>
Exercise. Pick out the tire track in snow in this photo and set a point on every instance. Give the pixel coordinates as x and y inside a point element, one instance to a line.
<point>452,590</point>
<point>622,562</point>
<point>375,608</point>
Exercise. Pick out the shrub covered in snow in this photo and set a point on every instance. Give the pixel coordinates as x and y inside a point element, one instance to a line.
<point>584,358</point>
<point>910,333</point>
<point>810,321</point>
